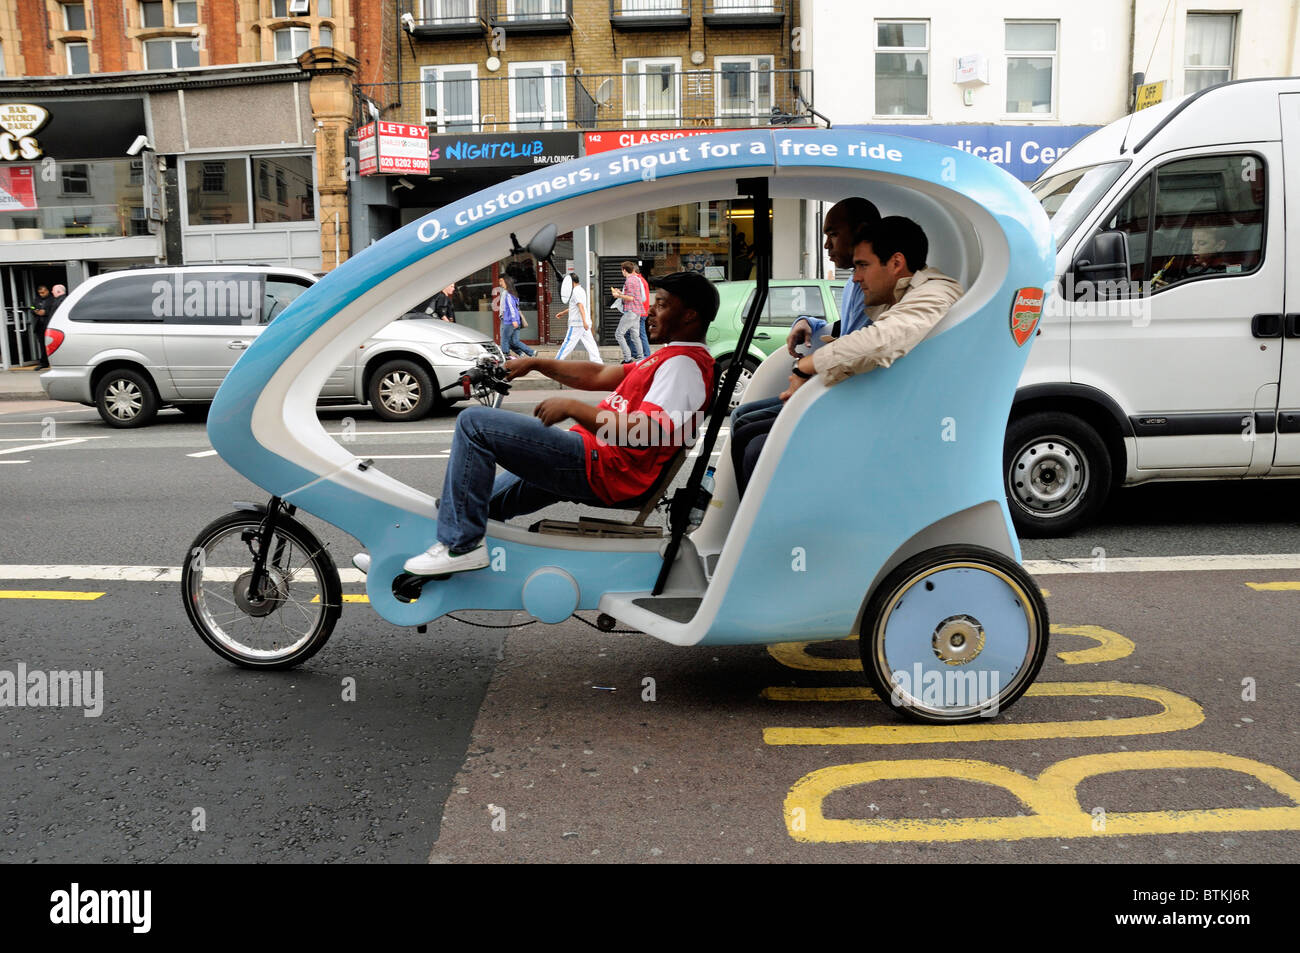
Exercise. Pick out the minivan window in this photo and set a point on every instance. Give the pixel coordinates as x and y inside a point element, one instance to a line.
<point>209,297</point>
<point>785,304</point>
<point>1069,196</point>
<point>125,300</point>
<point>280,292</point>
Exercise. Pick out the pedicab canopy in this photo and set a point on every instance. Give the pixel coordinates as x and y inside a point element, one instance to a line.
<point>852,473</point>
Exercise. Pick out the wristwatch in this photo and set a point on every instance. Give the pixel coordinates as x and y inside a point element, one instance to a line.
<point>798,373</point>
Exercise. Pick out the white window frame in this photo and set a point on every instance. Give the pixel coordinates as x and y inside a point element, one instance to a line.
<point>250,196</point>
<point>436,10</point>
<point>161,6</point>
<point>1234,19</point>
<point>652,8</point>
<point>929,63</point>
<point>67,57</point>
<point>292,31</point>
<point>761,114</point>
<point>438,122</point>
<point>172,41</point>
<point>85,15</point>
<point>636,66</point>
<point>555,14</point>
<point>285,4</point>
<point>320,35</point>
<point>176,21</point>
<point>1009,55</point>
<point>552,119</point>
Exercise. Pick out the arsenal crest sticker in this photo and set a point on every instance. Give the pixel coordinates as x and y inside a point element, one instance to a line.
<point>1026,311</point>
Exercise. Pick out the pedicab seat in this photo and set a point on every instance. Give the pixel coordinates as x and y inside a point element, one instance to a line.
<point>644,504</point>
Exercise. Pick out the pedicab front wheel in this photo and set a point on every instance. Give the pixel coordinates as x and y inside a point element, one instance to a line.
<point>954,634</point>
<point>292,613</point>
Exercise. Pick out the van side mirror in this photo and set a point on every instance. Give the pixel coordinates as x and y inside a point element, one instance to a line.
<point>1102,264</point>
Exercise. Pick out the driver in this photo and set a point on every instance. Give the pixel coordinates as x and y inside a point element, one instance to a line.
<point>613,454</point>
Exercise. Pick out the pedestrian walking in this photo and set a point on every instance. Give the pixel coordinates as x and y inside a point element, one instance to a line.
<point>512,320</point>
<point>579,331</point>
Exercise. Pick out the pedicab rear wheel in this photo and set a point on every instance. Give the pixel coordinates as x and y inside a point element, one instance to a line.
<point>954,634</point>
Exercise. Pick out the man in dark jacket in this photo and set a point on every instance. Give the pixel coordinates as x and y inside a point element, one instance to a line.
<point>42,311</point>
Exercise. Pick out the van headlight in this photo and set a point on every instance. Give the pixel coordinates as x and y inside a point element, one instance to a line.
<point>462,351</point>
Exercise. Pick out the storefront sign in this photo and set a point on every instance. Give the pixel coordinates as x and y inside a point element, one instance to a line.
<point>17,188</point>
<point>509,150</point>
<point>393,148</point>
<point>596,142</point>
<point>18,125</point>
<point>1024,151</point>
<point>1149,95</point>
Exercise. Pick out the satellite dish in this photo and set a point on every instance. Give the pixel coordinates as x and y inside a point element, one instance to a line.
<point>566,288</point>
<point>604,92</point>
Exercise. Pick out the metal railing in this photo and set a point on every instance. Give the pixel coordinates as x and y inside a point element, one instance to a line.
<point>636,9</point>
<point>451,104</point>
<point>744,8</point>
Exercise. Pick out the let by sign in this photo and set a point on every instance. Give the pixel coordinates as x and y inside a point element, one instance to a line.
<point>393,148</point>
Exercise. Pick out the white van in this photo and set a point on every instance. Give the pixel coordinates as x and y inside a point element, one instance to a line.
<point>1171,350</point>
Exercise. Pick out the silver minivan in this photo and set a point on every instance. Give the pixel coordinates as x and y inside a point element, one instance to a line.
<point>131,342</point>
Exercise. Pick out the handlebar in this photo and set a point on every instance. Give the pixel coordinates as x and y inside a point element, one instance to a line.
<point>485,378</point>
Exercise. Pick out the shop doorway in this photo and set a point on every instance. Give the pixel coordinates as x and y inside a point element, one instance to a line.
<point>20,345</point>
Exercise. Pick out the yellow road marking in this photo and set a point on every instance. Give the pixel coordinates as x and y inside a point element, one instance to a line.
<point>1178,714</point>
<point>1052,797</point>
<point>1274,586</point>
<point>48,594</point>
<point>1111,646</point>
<point>348,597</point>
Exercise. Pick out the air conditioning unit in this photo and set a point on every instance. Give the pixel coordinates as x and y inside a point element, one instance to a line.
<point>299,7</point>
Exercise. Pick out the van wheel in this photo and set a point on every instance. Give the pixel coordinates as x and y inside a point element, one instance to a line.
<point>125,398</point>
<point>747,370</point>
<point>1057,473</point>
<point>401,390</point>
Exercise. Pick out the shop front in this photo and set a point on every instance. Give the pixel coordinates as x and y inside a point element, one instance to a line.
<point>74,200</point>
<point>460,165</point>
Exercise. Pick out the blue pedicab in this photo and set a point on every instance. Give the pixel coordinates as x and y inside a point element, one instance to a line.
<point>877,508</point>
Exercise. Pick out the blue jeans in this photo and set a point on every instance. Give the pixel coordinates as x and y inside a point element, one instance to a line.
<point>645,338</point>
<point>628,342</point>
<point>472,493</point>
<point>750,424</point>
<point>510,342</point>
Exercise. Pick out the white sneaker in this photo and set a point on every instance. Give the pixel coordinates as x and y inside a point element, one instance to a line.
<point>439,560</point>
<point>362,562</point>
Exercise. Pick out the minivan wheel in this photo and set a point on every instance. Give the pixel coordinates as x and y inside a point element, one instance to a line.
<point>125,398</point>
<point>401,390</point>
<point>747,370</point>
<point>1057,473</point>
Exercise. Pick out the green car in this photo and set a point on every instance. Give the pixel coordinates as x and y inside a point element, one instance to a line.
<point>788,299</point>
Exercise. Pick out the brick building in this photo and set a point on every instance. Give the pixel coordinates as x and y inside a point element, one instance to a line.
<point>177,131</point>
<point>507,85</point>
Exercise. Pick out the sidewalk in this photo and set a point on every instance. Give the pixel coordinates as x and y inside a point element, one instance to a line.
<point>23,383</point>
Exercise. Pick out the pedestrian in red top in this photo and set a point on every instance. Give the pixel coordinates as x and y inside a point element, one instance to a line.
<point>634,300</point>
<point>613,454</point>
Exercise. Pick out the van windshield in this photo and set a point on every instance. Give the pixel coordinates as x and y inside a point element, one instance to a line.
<point>1068,196</point>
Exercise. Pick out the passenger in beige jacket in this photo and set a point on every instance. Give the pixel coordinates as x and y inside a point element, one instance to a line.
<point>904,300</point>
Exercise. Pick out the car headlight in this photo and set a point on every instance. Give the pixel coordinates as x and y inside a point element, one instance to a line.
<point>462,351</point>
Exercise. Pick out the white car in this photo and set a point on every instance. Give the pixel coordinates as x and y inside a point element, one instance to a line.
<point>131,342</point>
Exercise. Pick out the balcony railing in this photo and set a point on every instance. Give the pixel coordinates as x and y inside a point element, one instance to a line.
<point>533,16</point>
<point>650,14</point>
<point>653,100</point>
<point>438,18</point>
<point>741,13</point>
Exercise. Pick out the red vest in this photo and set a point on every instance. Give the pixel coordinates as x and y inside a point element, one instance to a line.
<point>618,473</point>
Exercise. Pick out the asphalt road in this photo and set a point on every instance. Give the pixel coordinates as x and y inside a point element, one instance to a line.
<point>487,744</point>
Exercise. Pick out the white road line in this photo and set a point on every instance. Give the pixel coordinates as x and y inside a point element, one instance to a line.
<point>46,445</point>
<point>384,433</point>
<point>203,453</point>
<point>1088,564</point>
<point>51,440</point>
<point>137,573</point>
<point>15,461</point>
<point>408,456</point>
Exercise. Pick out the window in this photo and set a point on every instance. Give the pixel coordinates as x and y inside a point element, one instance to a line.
<point>292,42</point>
<point>744,88</point>
<point>74,16</point>
<point>1031,66</point>
<point>139,221</point>
<point>279,8</point>
<point>652,90</point>
<point>217,191</point>
<point>786,304</point>
<point>185,13</point>
<point>124,300</point>
<point>278,295</point>
<point>902,67</point>
<point>75,179</point>
<point>537,95</point>
<point>326,36</point>
<point>1208,56</point>
<point>1205,219</point>
<point>151,14</point>
<point>643,8</point>
<point>178,53</point>
<point>536,9</point>
<point>78,58</point>
<point>449,10</point>
<point>285,189</point>
<point>324,8</point>
<point>2,61</point>
<point>450,95</point>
